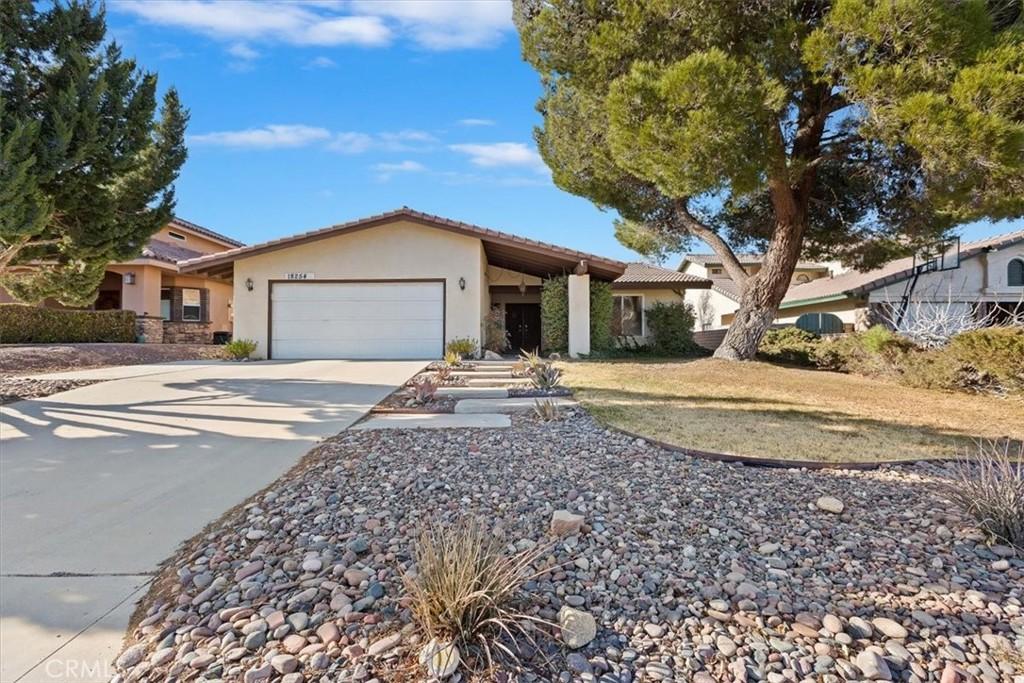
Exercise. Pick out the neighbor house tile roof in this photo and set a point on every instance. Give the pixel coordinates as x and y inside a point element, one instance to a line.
<point>745,259</point>
<point>503,248</point>
<point>206,232</point>
<point>854,283</point>
<point>166,251</point>
<point>644,275</point>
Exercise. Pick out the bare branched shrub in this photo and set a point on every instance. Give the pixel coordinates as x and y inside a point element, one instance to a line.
<point>989,485</point>
<point>931,321</point>
<point>466,589</point>
<point>546,409</point>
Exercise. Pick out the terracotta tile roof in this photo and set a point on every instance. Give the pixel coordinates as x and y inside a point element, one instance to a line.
<point>727,287</point>
<point>501,242</point>
<point>853,283</point>
<point>206,232</point>
<point>166,251</point>
<point>643,275</point>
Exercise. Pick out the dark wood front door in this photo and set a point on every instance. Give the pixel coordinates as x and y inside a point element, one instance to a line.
<point>522,321</point>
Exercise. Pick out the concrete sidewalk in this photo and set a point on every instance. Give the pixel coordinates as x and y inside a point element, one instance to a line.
<point>100,484</point>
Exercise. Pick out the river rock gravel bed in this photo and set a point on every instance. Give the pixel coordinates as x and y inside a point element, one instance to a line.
<point>18,388</point>
<point>694,570</point>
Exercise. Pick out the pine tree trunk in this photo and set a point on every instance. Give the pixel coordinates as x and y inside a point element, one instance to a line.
<point>763,293</point>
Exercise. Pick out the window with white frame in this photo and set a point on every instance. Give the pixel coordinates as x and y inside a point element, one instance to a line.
<point>628,316</point>
<point>191,305</point>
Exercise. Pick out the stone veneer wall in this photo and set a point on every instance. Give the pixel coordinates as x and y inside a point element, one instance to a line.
<point>150,328</point>
<point>187,333</point>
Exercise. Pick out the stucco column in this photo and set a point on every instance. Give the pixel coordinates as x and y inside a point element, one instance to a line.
<point>579,315</point>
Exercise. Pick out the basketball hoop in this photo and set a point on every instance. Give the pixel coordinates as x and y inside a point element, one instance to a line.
<point>938,256</point>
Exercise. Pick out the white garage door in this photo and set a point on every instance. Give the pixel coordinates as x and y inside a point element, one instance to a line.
<point>357,320</point>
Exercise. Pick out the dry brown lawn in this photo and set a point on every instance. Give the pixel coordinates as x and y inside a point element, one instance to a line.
<point>764,410</point>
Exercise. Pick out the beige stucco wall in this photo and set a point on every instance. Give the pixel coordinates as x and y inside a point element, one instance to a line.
<point>192,240</point>
<point>850,311</point>
<point>401,250</point>
<point>144,296</point>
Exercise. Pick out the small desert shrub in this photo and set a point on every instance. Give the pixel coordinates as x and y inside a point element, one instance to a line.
<point>671,326</point>
<point>452,359</point>
<point>530,360</point>
<point>443,374</point>
<point>424,388</point>
<point>789,345</point>
<point>545,376</point>
<point>240,349</point>
<point>546,409</point>
<point>464,346</point>
<point>496,337</point>
<point>465,590</point>
<point>989,486</point>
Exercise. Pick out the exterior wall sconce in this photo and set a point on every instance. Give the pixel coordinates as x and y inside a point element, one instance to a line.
<point>248,284</point>
<point>462,283</point>
<point>128,278</point>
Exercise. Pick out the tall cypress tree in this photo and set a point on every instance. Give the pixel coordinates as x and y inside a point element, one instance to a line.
<point>87,163</point>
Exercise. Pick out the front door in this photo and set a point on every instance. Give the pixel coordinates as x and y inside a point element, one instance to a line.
<point>522,321</point>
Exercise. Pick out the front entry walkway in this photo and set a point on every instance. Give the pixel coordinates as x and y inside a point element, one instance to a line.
<point>100,484</point>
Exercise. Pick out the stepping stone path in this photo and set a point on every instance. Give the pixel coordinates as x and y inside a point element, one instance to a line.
<point>482,403</point>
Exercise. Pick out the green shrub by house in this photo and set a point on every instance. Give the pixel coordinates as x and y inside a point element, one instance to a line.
<point>240,349</point>
<point>464,346</point>
<point>996,353</point>
<point>601,305</point>
<point>554,314</point>
<point>672,328</point>
<point>789,345</point>
<point>22,324</point>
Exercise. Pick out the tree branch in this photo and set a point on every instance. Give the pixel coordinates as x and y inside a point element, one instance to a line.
<point>711,238</point>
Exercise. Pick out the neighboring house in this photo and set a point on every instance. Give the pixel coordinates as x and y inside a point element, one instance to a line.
<point>172,307</point>
<point>714,307</point>
<point>402,284</point>
<point>988,281</point>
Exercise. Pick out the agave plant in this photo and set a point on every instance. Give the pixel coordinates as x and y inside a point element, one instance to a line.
<point>424,389</point>
<point>546,409</point>
<point>546,376</point>
<point>452,359</point>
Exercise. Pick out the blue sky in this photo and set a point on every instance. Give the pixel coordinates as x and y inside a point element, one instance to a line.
<point>304,115</point>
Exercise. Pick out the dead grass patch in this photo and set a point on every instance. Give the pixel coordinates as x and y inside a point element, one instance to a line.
<point>765,410</point>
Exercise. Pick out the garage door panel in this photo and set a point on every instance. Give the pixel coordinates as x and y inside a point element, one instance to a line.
<point>357,320</point>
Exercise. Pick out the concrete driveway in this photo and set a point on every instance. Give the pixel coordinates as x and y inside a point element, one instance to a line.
<point>100,484</point>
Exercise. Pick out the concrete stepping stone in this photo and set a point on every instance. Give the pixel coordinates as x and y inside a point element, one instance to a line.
<point>435,421</point>
<point>507,405</point>
<point>473,392</point>
<point>498,381</point>
<point>482,373</point>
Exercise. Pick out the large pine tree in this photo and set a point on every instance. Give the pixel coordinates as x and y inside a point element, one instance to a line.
<point>87,164</point>
<point>856,129</point>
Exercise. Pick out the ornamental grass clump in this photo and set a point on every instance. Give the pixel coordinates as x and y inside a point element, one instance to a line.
<point>466,590</point>
<point>546,409</point>
<point>989,486</point>
<point>240,349</point>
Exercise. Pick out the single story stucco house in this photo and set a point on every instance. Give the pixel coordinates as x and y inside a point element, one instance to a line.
<point>404,283</point>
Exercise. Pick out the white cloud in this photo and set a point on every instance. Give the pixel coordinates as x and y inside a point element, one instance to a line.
<point>243,51</point>
<point>321,62</point>
<point>495,154</point>
<point>251,20</point>
<point>401,167</point>
<point>445,24</point>
<point>430,24</point>
<point>350,142</point>
<point>407,141</point>
<point>267,137</point>
<point>476,122</point>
